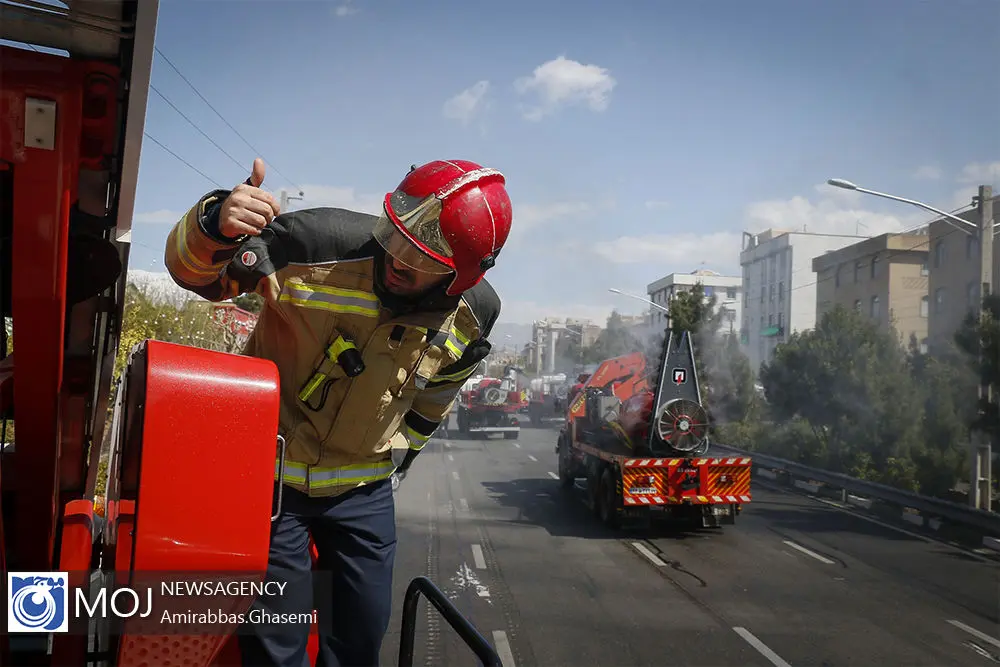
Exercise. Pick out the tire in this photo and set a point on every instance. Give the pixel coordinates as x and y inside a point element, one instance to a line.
<point>607,500</point>
<point>566,477</point>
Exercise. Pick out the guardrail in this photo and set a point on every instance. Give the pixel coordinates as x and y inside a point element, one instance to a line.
<point>460,624</point>
<point>933,508</point>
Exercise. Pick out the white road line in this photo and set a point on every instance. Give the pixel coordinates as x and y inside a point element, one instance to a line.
<point>454,473</point>
<point>798,547</point>
<point>761,647</point>
<point>553,475</point>
<point>478,557</point>
<point>532,458</point>
<point>502,646</point>
<point>463,504</point>
<point>517,445</point>
<point>850,510</point>
<point>451,457</point>
<point>976,633</point>
<point>653,558</point>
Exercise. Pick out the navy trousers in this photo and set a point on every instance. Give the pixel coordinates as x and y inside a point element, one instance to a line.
<point>355,535</point>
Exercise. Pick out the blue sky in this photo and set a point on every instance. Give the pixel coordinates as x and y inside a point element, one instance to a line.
<point>638,138</point>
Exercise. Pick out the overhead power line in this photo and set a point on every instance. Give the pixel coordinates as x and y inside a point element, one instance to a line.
<point>223,118</point>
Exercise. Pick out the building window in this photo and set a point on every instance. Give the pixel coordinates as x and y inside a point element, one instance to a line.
<point>857,272</point>
<point>781,319</point>
<point>972,294</point>
<point>730,292</point>
<point>923,269</point>
<point>875,310</point>
<point>781,292</point>
<point>771,296</point>
<point>874,270</point>
<point>857,305</point>
<point>925,303</point>
<point>923,346</point>
<point>939,295</point>
<point>971,247</point>
<point>938,254</point>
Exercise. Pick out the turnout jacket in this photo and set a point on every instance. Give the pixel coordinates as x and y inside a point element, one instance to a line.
<point>316,270</point>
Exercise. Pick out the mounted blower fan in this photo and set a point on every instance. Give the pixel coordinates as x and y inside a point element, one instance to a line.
<point>494,396</point>
<point>683,424</point>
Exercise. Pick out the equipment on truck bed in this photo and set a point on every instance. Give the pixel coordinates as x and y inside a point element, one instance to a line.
<point>638,433</point>
<point>491,405</point>
<point>190,476</point>
<point>547,398</point>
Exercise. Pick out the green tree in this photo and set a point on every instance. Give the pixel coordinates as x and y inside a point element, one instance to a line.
<point>614,341</point>
<point>851,383</point>
<point>250,302</point>
<point>971,335</point>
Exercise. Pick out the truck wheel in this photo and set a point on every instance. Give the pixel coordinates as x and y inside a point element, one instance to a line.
<point>566,477</point>
<point>607,500</point>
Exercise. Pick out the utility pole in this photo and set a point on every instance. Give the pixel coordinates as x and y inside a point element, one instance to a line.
<point>285,198</point>
<point>980,488</point>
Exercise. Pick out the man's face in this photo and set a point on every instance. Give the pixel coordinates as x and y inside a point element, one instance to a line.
<point>402,280</point>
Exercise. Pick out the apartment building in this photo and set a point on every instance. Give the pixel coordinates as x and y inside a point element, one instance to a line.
<point>779,286</point>
<point>885,278</point>
<point>953,279</point>
<point>542,354</point>
<point>726,290</point>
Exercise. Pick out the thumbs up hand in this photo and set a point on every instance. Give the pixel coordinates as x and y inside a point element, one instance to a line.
<point>248,209</point>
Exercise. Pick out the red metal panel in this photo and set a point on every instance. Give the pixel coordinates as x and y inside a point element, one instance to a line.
<point>44,186</point>
<point>76,548</point>
<point>206,475</point>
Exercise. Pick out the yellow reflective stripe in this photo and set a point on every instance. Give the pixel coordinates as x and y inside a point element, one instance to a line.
<point>188,259</point>
<point>318,478</point>
<point>416,440</point>
<point>457,342</point>
<point>455,377</point>
<point>335,299</point>
<point>338,347</point>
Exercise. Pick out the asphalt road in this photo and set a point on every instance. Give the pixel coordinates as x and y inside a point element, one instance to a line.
<point>795,582</point>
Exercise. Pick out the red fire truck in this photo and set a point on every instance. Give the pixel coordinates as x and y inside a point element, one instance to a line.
<point>184,492</point>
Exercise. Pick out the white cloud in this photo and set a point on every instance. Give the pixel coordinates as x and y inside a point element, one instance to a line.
<point>339,197</point>
<point>468,104</point>
<point>657,205</point>
<point>563,82</point>
<point>679,250</point>
<point>980,173</point>
<point>161,217</point>
<point>927,173</point>
<point>527,216</point>
<point>345,9</point>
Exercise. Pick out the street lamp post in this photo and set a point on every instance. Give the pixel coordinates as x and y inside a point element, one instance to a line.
<point>980,487</point>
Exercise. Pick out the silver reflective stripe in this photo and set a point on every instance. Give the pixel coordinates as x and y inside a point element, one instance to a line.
<point>319,478</point>
<point>334,299</point>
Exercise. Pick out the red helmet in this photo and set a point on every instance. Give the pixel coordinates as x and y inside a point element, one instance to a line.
<point>448,216</point>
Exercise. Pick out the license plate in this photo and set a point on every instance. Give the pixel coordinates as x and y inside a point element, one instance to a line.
<point>720,510</point>
<point>642,491</point>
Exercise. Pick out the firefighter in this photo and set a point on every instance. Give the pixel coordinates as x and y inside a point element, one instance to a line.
<point>374,323</point>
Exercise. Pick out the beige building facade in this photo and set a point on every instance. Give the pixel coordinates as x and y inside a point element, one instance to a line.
<point>954,275</point>
<point>886,278</point>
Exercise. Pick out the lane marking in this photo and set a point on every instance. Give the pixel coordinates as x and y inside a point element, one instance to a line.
<point>463,504</point>
<point>653,558</point>
<point>532,458</point>
<point>808,552</point>
<point>454,473</point>
<point>451,457</point>
<point>863,517</point>
<point>553,475</point>
<point>761,647</point>
<point>976,633</point>
<point>502,646</point>
<point>477,557</point>
<point>517,445</point>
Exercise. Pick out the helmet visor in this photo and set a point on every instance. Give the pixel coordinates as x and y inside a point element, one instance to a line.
<point>403,250</point>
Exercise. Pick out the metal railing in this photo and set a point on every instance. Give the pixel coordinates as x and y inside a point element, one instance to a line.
<point>988,522</point>
<point>460,624</point>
